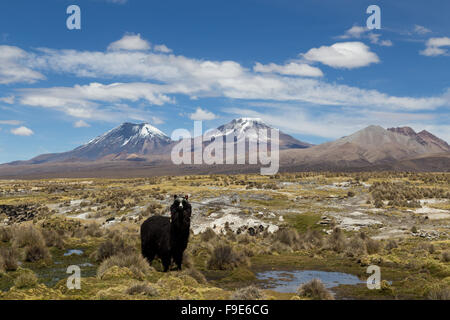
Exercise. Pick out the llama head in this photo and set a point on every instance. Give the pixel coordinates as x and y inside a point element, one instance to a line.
<point>181,210</point>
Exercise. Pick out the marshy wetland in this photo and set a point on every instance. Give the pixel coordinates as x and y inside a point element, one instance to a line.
<point>252,236</point>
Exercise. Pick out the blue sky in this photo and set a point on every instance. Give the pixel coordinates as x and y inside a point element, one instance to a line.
<point>311,68</point>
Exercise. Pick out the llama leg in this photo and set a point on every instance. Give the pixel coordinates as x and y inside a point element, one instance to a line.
<point>178,257</point>
<point>166,259</point>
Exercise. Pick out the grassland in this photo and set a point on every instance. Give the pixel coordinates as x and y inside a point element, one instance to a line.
<point>242,225</point>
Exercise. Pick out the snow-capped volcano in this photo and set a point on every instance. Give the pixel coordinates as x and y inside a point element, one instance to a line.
<point>122,142</point>
<point>253,129</point>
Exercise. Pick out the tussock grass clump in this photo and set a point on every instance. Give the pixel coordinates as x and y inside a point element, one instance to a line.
<point>392,244</point>
<point>248,293</point>
<point>135,262</point>
<point>372,246</point>
<point>337,241</point>
<point>112,247</point>
<point>93,230</point>
<point>9,258</point>
<point>53,238</point>
<point>197,275</point>
<point>6,234</point>
<point>36,252</point>
<point>289,237</point>
<point>429,247</point>
<point>224,257</point>
<point>142,288</point>
<point>311,239</point>
<point>209,234</point>
<point>356,247</point>
<point>26,280</point>
<point>315,290</point>
<point>445,256</point>
<point>439,293</point>
<point>27,236</point>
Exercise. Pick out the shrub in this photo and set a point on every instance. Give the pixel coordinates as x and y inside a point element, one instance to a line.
<point>142,288</point>
<point>26,280</point>
<point>311,239</point>
<point>112,247</point>
<point>53,239</point>
<point>36,252</point>
<point>356,247</point>
<point>439,293</point>
<point>135,262</point>
<point>27,236</point>
<point>337,241</point>
<point>224,257</point>
<point>350,194</point>
<point>446,256</point>
<point>10,259</point>
<point>391,245</point>
<point>289,237</point>
<point>248,293</point>
<point>372,246</point>
<point>5,234</point>
<point>315,290</point>
<point>414,229</point>
<point>208,235</point>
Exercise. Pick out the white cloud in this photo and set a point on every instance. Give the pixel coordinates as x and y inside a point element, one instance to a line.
<point>343,55</point>
<point>161,48</point>
<point>292,68</point>
<point>22,131</point>
<point>117,1</point>
<point>202,115</point>
<point>358,32</point>
<point>354,32</point>
<point>130,42</point>
<point>421,29</point>
<point>436,47</point>
<point>11,122</point>
<point>8,100</point>
<point>13,66</point>
<point>375,39</point>
<point>81,124</point>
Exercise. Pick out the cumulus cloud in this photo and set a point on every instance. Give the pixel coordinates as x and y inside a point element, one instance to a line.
<point>354,32</point>
<point>375,39</point>
<point>292,68</point>
<point>161,48</point>
<point>130,42</point>
<point>347,55</point>
<point>170,74</point>
<point>436,47</point>
<point>202,115</point>
<point>81,124</point>
<point>13,66</point>
<point>22,131</point>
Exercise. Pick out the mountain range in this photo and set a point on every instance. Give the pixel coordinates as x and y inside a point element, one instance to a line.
<point>142,149</point>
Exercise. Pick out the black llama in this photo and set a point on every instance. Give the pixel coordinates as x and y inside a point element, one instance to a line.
<point>167,237</point>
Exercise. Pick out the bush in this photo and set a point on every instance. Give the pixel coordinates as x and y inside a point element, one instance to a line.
<point>224,257</point>
<point>439,293</point>
<point>10,259</point>
<point>197,275</point>
<point>26,280</point>
<point>350,194</point>
<point>93,230</point>
<point>446,256</point>
<point>112,247</point>
<point>372,246</point>
<point>36,252</point>
<point>208,235</point>
<point>142,288</point>
<point>315,290</point>
<point>289,237</point>
<point>27,236</point>
<point>248,293</point>
<point>5,234</point>
<point>392,244</point>
<point>337,241</point>
<point>53,239</point>
<point>135,262</point>
<point>356,247</point>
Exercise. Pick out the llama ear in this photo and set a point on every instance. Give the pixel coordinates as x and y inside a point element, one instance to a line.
<point>186,197</point>
<point>175,196</point>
